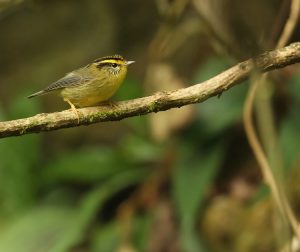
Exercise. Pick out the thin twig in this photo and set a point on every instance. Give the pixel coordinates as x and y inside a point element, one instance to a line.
<point>278,196</point>
<point>158,102</point>
<point>290,24</point>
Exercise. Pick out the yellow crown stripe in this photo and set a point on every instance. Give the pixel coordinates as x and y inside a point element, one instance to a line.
<point>119,62</point>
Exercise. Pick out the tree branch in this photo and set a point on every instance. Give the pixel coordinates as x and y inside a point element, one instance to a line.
<point>158,102</point>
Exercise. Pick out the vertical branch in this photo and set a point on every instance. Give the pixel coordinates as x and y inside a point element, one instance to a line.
<point>278,195</point>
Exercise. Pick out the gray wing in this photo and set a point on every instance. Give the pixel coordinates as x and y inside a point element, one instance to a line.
<point>70,80</point>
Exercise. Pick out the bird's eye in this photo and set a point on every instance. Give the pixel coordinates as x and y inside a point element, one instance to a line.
<point>114,65</point>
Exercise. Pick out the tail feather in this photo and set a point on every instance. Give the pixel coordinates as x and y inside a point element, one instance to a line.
<point>36,94</point>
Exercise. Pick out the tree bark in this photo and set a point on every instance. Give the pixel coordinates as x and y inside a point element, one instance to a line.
<point>160,101</point>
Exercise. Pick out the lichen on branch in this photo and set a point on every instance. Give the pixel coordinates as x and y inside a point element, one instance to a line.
<point>160,101</point>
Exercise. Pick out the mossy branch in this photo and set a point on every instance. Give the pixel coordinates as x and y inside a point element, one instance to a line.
<point>158,102</point>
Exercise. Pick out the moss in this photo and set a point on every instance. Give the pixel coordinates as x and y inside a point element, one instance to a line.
<point>31,125</point>
<point>114,113</point>
<point>104,115</point>
<point>23,131</point>
<point>91,119</point>
<point>153,107</point>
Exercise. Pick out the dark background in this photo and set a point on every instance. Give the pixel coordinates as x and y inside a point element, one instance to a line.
<point>181,180</point>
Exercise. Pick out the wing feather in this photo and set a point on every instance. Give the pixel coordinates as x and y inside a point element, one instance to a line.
<point>70,80</point>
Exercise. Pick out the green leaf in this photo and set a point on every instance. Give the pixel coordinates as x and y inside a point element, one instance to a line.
<point>130,89</point>
<point>85,165</point>
<point>59,229</point>
<point>91,205</point>
<point>289,128</point>
<point>212,67</point>
<point>289,138</point>
<point>17,185</point>
<point>191,179</point>
<point>22,106</point>
<point>18,158</point>
<point>37,231</point>
<point>217,114</point>
<point>108,238</point>
<point>294,87</point>
<point>139,150</point>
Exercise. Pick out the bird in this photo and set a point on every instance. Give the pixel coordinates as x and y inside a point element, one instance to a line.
<point>90,85</point>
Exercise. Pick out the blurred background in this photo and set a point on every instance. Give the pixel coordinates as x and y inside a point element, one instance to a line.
<point>181,180</point>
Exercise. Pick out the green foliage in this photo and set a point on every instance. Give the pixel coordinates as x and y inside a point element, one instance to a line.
<point>58,225</point>
<point>138,149</point>
<point>59,229</point>
<point>210,68</point>
<point>38,230</point>
<point>90,165</point>
<point>63,191</point>
<point>289,129</point>
<point>193,175</point>
<point>218,114</point>
<point>109,237</point>
<point>130,89</point>
<point>18,156</point>
<point>294,88</point>
<point>85,165</point>
<point>289,132</point>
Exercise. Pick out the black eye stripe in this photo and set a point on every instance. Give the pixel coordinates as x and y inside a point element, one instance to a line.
<point>114,65</point>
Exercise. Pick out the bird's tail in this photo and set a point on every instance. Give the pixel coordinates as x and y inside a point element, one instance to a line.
<point>37,94</point>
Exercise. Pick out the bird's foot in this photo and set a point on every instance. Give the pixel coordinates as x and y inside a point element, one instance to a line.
<point>73,108</point>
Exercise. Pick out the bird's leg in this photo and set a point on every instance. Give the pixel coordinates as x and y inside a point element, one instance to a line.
<point>73,108</point>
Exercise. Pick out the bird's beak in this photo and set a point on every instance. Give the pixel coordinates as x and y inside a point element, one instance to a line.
<point>129,62</point>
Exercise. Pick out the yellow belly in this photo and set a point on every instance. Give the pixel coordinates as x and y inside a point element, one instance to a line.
<point>91,93</point>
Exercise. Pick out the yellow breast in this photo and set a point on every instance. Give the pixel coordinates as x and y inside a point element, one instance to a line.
<point>94,91</point>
